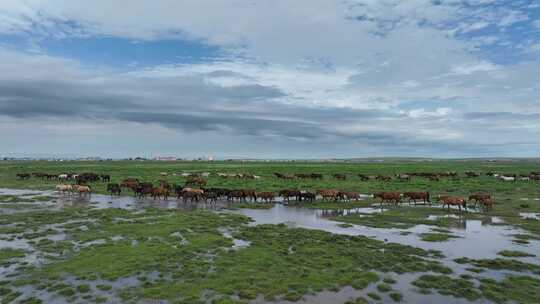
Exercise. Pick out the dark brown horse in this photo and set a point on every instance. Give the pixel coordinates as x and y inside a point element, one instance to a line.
<point>424,196</point>
<point>114,189</point>
<point>266,196</point>
<point>389,197</point>
<point>288,193</point>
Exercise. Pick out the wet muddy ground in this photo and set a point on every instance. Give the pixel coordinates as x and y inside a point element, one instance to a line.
<point>475,239</point>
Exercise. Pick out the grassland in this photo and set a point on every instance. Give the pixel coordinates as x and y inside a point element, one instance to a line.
<point>113,255</point>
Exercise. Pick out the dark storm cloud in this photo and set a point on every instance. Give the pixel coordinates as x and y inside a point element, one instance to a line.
<point>185,103</point>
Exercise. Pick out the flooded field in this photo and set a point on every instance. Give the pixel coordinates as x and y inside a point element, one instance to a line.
<point>59,248</point>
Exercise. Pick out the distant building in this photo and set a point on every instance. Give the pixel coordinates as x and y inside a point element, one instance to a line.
<point>165,158</point>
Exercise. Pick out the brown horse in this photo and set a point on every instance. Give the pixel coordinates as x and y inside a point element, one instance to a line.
<point>329,194</point>
<point>478,197</point>
<point>350,195</point>
<point>340,176</point>
<point>487,203</point>
<point>236,194</point>
<point>288,193</point>
<point>454,201</point>
<point>129,184</point>
<point>158,192</point>
<point>83,190</point>
<point>192,194</point>
<point>388,197</point>
<point>267,197</point>
<point>417,196</point>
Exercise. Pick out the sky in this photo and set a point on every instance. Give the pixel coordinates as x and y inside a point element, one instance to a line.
<point>270,79</point>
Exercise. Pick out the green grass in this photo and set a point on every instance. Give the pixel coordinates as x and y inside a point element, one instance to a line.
<point>515,253</point>
<point>200,266</point>
<point>301,260</point>
<point>436,237</point>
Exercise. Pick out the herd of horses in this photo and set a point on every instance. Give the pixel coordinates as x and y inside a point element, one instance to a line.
<point>83,178</point>
<point>195,188</point>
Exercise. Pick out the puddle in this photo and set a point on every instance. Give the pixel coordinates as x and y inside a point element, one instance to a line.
<point>530,215</point>
<point>476,239</point>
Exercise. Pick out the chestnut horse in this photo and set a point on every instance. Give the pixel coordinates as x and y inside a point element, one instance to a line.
<point>478,197</point>
<point>329,194</point>
<point>454,201</point>
<point>158,192</point>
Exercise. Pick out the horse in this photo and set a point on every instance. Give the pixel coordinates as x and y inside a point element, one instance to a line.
<point>329,194</point>
<point>477,197</point>
<point>114,189</point>
<point>363,177</point>
<point>307,196</point>
<point>64,188</point>
<point>105,177</point>
<point>195,181</point>
<point>288,193</point>
<point>130,184</point>
<point>144,189</point>
<point>403,177</point>
<point>266,197</point>
<point>239,194</point>
<point>250,194</point>
<point>417,195</point>
<point>350,195</point>
<point>192,194</point>
<point>471,174</point>
<point>158,192</point>
<point>383,178</point>
<point>83,190</point>
<point>388,197</point>
<point>23,175</point>
<point>63,177</point>
<point>453,200</point>
<point>210,196</point>
<point>506,178</point>
<point>487,203</point>
<point>340,176</point>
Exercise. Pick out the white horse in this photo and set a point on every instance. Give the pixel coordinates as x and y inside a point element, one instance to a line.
<point>507,178</point>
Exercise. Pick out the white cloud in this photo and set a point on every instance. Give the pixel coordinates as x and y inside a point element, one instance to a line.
<point>323,59</point>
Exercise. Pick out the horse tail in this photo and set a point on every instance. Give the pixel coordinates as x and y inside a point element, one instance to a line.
<point>427,197</point>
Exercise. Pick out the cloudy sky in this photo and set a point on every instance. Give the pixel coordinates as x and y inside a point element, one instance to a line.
<point>278,79</point>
